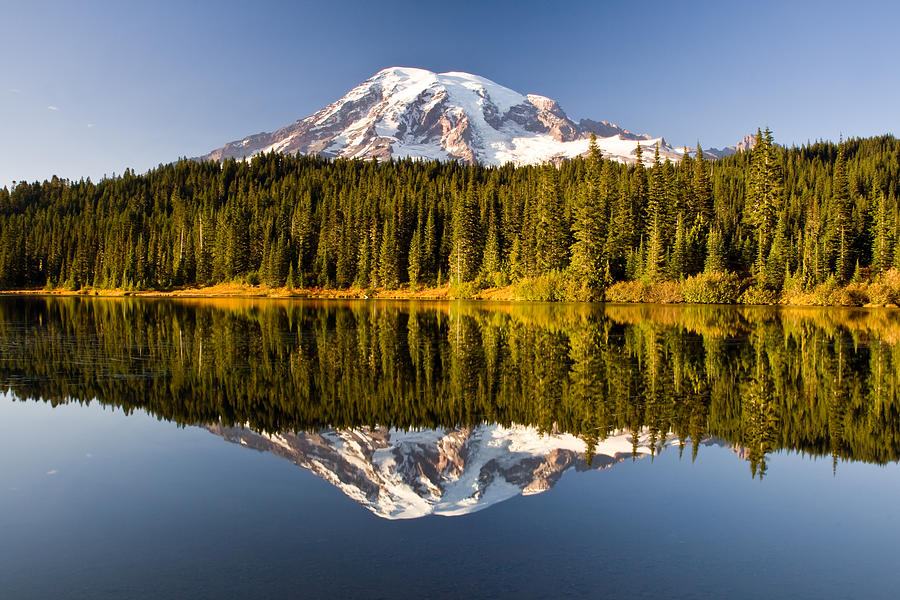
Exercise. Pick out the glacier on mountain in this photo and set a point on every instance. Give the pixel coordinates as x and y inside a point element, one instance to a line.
<point>408,112</point>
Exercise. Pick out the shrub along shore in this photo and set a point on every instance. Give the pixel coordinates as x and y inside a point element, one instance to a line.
<point>715,287</point>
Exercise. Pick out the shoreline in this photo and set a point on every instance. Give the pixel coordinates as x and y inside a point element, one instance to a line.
<point>441,293</point>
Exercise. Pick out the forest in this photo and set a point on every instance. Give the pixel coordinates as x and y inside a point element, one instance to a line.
<point>816,224</point>
<point>819,382</point>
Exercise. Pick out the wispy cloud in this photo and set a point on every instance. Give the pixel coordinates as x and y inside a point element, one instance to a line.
<point>51,107</point>
<point>52,472</point>
<point>90,125</point>
<point>15,91</point>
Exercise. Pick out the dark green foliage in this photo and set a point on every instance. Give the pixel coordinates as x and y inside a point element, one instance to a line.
<point>465,250</point>
<point>764,197</point>
<point>589,227</point>
<point>883,232</point>
<point>715,252</point>
<point>550,231</point>
<point>842,232</point>
<point>805,213</point>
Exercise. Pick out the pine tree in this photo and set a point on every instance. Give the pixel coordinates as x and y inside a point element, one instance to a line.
<point>415,258</point>
<point>589,226</point>
<point>431,244</point>
<point>656,196</point>
<point>551,247</point>
<point>777,264</point>
<point>237,257</point>
<point>702,189</point>
<point>715,254</point>
<point>290,283</point>
<point>464,257</point>
<point>388,258</point>
<point>842,208</point>
<point>493,259</point>
<point>882,232</point>
<point>678,264</point>
<point>656,223</point>
<point>764,197</point>
<point>637,196</point>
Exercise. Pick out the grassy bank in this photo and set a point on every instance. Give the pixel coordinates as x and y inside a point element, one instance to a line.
<point>704,288</point>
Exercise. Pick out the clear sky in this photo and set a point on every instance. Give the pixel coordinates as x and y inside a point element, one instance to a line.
<point>89,88</point>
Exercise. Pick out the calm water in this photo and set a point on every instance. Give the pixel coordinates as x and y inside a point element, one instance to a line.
<point>210,449</point>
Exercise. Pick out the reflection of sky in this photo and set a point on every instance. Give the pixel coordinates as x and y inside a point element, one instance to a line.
<point>142,508</point>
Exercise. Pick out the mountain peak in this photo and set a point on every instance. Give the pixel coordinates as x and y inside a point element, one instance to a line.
<point>410,112</point>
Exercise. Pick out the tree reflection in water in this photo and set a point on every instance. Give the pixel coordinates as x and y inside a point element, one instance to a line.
<point>822,382</point>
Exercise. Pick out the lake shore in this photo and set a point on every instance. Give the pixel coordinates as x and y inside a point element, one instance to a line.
<point>444,292</point>
<point>240,290</point>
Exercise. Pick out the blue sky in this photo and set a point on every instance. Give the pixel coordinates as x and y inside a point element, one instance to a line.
<point>90,88</point>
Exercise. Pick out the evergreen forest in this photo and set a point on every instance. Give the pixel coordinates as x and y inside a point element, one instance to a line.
<point>753,227</point>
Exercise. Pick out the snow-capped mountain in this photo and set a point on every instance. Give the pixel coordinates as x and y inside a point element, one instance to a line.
<point>409,474</point>
<point>407,112</point>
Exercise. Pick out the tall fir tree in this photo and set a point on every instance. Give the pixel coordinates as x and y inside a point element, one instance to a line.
<point>702,189</point>
<point>464,254</point>
<point>882,230</point>
<point>715,255</point>
<point>764,197</point>
<point>550,244</point>
<point>589,258</point>
<point>842,214</point>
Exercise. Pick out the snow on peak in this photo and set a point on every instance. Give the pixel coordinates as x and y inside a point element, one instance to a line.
<point>542,101</point>
<point>412,112</point>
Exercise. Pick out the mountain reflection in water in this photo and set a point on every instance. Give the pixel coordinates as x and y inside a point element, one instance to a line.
<point>446,408</point>
<point>409,474</point>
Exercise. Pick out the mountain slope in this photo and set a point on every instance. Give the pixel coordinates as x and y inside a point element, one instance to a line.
<point>407,112</point>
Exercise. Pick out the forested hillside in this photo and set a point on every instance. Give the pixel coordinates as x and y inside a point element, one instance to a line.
<point>767,219</point>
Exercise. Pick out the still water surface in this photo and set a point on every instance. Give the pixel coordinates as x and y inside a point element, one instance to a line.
<point>238,448</point>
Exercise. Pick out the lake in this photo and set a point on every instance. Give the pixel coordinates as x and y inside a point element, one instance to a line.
<point>163,448</point>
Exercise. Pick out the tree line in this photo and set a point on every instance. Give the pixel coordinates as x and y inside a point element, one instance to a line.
<point>824,383</point>
<point>811,214</point>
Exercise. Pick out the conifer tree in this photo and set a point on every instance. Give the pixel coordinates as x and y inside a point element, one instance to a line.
<point>882,231</point>
<point>764,197</point>
<point>777,264</point>
<point>702,189</point>
<point>388,258</point>
<point>678,265</point>
<point>464,251</point>
<point>715,255</point>
<point>493,260</point>
<point>415,258</point>
<point>431,244</point>
<point>637,196</point>
<point>589,226</point>
<point>550,232</point>
<point>654,263</point>
<point>656,196</point>
<point>290,283</point>
<point>841,210</point>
